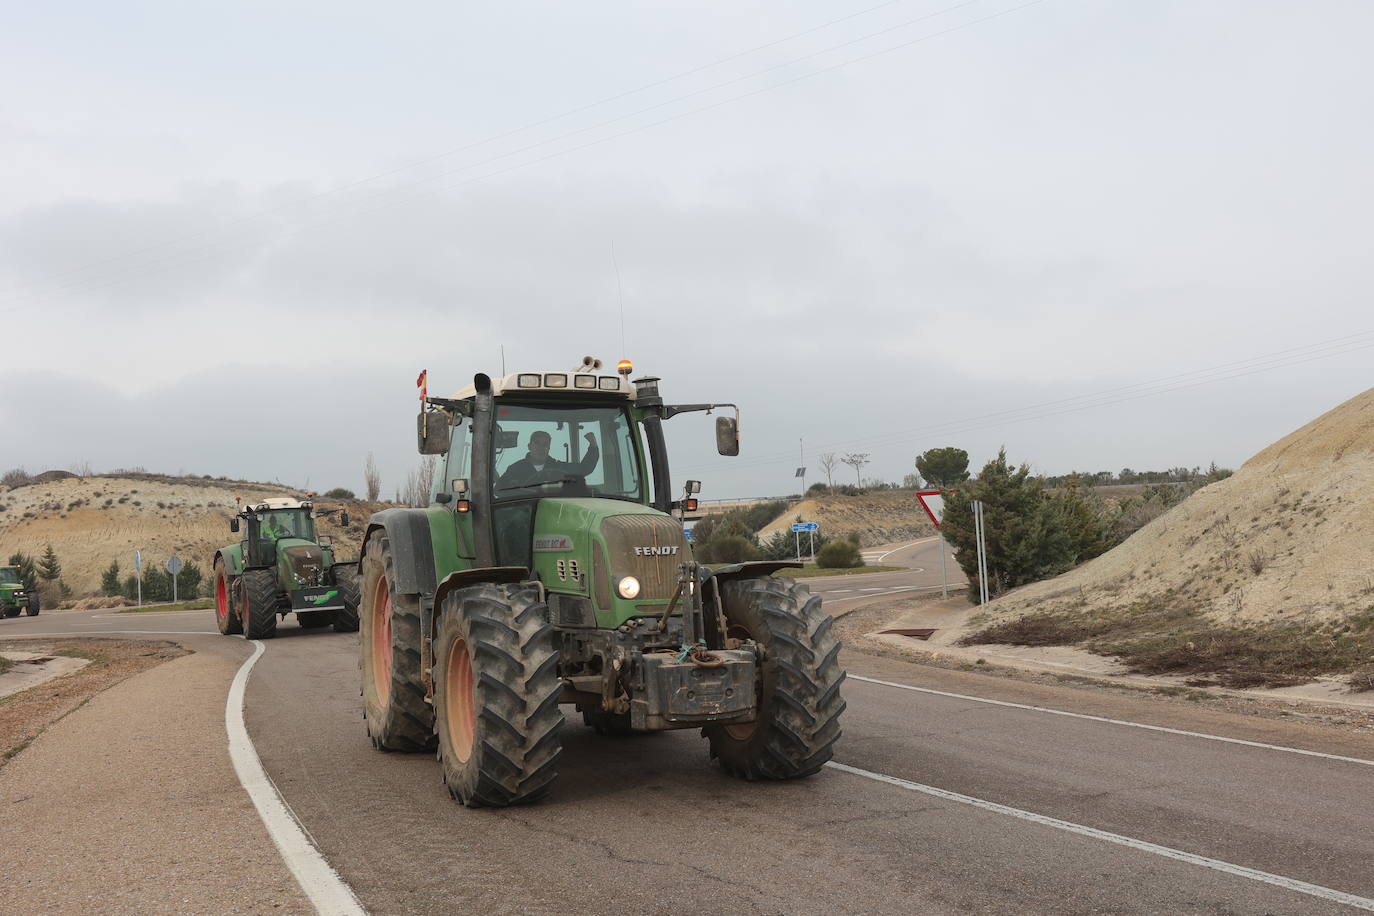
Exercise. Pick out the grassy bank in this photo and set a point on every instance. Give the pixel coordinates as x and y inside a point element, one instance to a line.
<point>1167,634</point>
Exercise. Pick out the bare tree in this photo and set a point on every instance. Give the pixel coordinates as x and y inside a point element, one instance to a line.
<point>418,483</point>
<point>856,460</point>
<point>373,478</point>
<point>828,462</point>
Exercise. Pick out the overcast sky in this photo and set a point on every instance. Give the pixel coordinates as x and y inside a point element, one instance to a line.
<point>230,238</point>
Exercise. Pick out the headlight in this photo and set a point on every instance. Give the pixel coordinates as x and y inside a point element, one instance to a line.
<point>628,587</point>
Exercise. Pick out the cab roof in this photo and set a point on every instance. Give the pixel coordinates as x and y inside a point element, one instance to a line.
<point>558,382</point>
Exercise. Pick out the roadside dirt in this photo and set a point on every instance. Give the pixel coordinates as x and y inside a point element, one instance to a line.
<point>857,630</point>
<point>24,715</point>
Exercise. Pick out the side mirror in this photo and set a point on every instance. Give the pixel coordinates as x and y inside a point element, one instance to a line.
<point>343,518</point>
<point>432,437</point>
<point>234,525</point>
<point>727,436</point>
<point>507,439</point>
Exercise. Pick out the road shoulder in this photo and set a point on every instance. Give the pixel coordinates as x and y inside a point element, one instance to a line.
<point>130,804</point>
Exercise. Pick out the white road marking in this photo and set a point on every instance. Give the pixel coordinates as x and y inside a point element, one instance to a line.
<point>1240,871</point>
<point>884,556</point>
<point>326,890</point>
<point>1079,715</point>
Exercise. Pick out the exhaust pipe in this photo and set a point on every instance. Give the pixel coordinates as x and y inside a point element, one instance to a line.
<point>483,423</point>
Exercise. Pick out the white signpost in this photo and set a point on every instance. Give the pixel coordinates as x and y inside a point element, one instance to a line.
<point>933,501</point>
<point>810,529</point>
<point>138,574</point>
<point>979,531</point>
<point>174,567</point>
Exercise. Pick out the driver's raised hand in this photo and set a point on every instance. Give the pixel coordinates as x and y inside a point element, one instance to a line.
<point>591,438</point>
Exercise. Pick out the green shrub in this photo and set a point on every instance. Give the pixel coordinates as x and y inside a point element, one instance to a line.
<point>340,493</point>
<point>731,548</point>
<point>842,554</point>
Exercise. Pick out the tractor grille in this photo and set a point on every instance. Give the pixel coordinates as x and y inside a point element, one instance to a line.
<point>307,562</point>
<point>657,574</point>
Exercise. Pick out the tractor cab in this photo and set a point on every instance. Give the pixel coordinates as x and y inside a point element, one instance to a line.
<point>565,474</point>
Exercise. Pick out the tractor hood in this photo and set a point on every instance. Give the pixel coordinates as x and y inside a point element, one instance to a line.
<point>304,560</point>
<point>587,513</point>
<point>591,544</point>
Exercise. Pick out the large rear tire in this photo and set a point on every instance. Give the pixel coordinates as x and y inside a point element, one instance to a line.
<point>259,588</point>
<point>226,615</point>
<point>398,718</point>
<point>800,675</point>
<point>496,694</point>
<point>32,609</point>
<point>346,580</point>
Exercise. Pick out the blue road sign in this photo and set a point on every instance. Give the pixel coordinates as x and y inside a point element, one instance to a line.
<point>805,526</point>
<point>688,532</point>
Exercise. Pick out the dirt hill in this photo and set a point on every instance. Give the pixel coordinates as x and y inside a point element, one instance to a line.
<point>92,520</point>
<point>1289,536</point>
<point>879,518</point>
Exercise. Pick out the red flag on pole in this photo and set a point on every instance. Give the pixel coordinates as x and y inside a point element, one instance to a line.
<point>423,384</point>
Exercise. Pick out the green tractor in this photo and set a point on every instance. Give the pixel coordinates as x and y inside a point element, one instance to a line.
<point>281,566</point>
<point>549,569</point>
<point>15,596</point>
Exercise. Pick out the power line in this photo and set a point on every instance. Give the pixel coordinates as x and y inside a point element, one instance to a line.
<point>212,250</point>
<point>414,164</point>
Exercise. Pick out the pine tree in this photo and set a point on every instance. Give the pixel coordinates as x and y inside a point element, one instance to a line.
<point>109,579</point>
<point>188,581</point>
<point>1026,532</point>
<point>49,568</point>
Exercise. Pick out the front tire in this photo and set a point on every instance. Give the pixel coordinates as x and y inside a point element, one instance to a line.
<point>32,609</point>
<point>799,693</point>
<point>346,579</point>
<point>398,718</point>
<point>226,619</point>
<point>259,587</point>
<point>496,694</point>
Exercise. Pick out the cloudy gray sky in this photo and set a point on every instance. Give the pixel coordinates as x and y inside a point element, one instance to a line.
<point>1102,234</point>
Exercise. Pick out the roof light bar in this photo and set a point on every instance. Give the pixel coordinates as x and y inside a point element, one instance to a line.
<point>584,381</point>
<point>555,380</point>
<point>528,380</point>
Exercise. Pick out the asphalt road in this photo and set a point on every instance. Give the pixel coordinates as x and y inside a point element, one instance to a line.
<point>950,804</point>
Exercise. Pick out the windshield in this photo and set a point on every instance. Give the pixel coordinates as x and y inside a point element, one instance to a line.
<point>9,575</point>
<point>565,451</point>
<point>288,523</point>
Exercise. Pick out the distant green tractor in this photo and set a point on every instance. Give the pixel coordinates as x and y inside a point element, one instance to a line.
<point>14,596</point>
<point>549,569</point>
<point>282,566</point>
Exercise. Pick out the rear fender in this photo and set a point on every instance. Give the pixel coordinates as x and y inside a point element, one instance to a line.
<point>412,548</point>
<point>233,559</point>
<point>755,569</point>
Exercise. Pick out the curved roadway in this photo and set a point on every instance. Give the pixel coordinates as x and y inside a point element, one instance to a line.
<point>964,795</point>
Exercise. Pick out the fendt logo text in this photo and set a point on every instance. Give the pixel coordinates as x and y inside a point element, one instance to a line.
<point>655,551</point>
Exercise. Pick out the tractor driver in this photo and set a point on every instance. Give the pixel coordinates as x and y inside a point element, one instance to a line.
<point>276,528</point>
<point>537,467</point>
